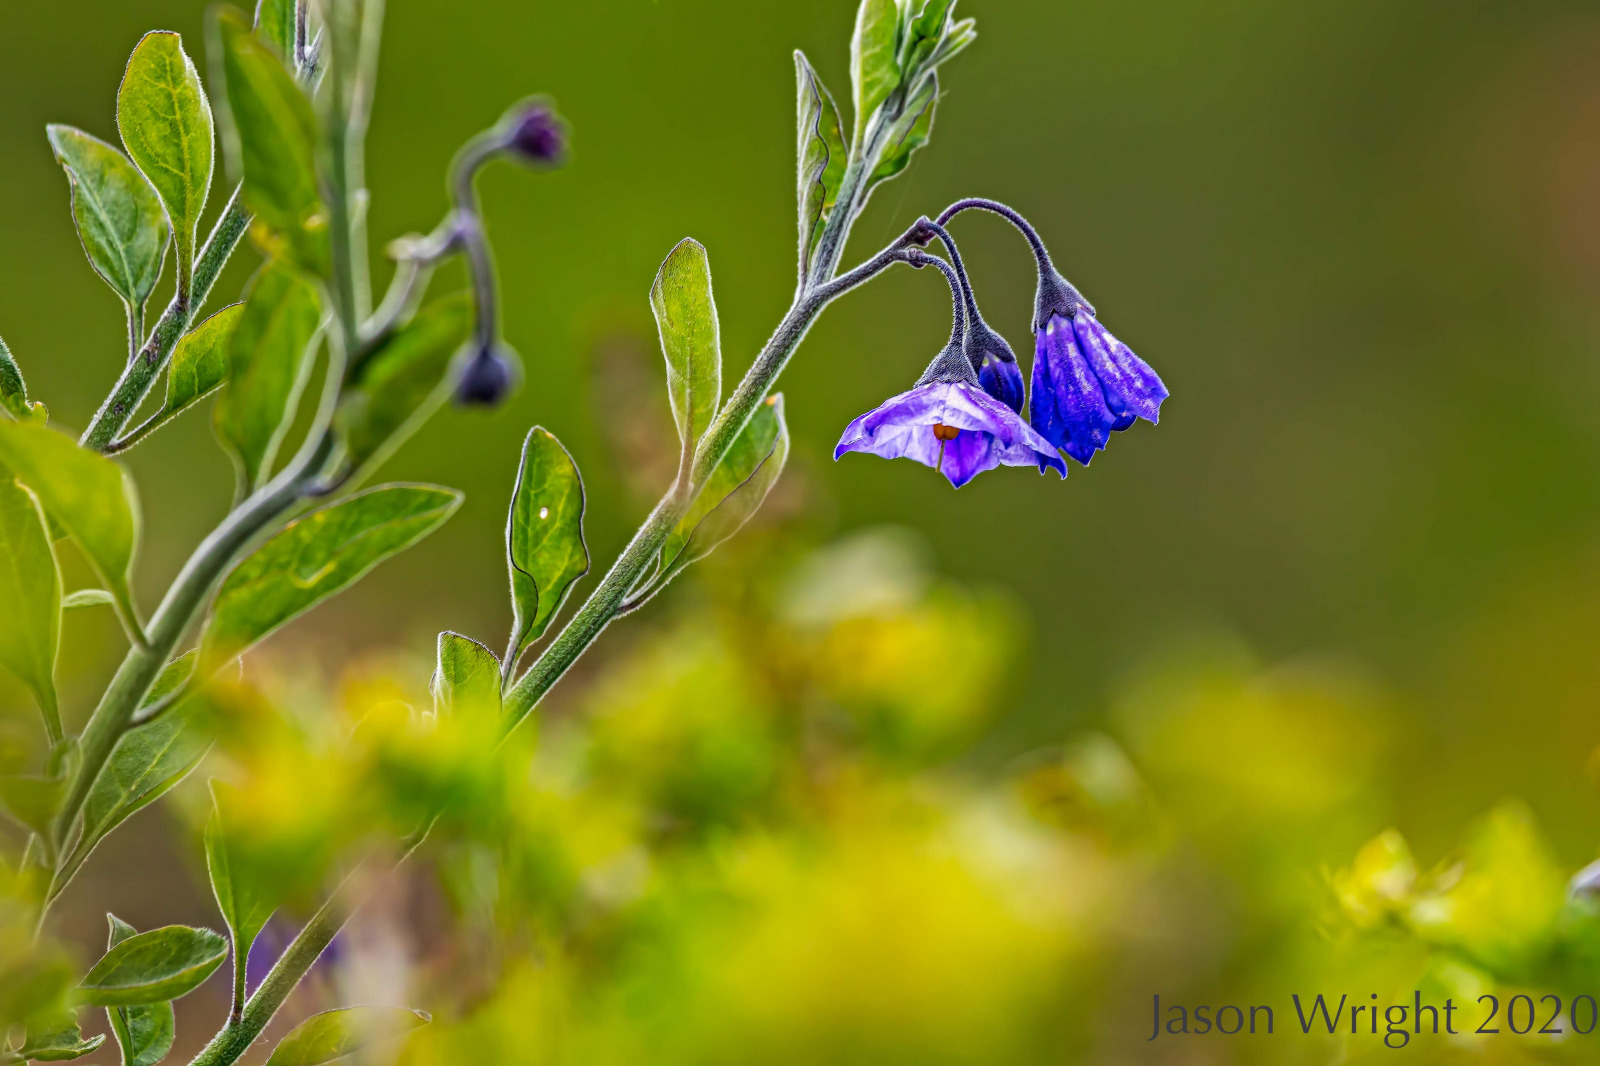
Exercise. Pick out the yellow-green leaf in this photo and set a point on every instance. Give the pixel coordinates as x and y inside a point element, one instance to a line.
<point>146,1032</point>
<point>317,556</point>
<point>89,495</point>
<point>163,964</point>
<point>338,1034</point>
<point>686,316</point>
<point>822,156</point>
<point>30,598</point>
<point>466,680</point>
<point>119,217</point>
<point>200,362</point>
<point>735,490</point>
<point>243,890</point>
<point>874,72</point>
<point>545,550</point>
<point>165,122</point>
<point>14,391</point>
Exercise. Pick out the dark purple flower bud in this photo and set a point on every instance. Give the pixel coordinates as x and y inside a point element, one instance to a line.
<point>993,361</point>
<point>489,376</point>
<point>1088,385</point>
<point>535,133</point>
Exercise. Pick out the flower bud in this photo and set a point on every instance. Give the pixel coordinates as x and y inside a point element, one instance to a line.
<point>535,133</point>
<point>488,377</point>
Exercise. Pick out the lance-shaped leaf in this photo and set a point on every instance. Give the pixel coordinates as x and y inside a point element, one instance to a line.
<point>14,391</point>
<point>822,155</point>
<point>735,490</point>
<point>923,34</point>
<point>466,680</point>
<point>145,1033</point>
<point>165,122</point>
<point>269,359</point>
<point>275,24</point>
<point>200,362</point>
<point>119,217</point>
<point>686,315</point>
<point>545,551</point>
<point>874,72</point>
<point>338,1034</point>
<point>61,1041</point>
<point>402,384</point>
<point>910,132</point>
<point>315,557</point>
<point>30,590</point>
<point>244,895</point>
<point>155,967</point>
<point>89,495</point>
<point>148,761</point>
<point>270,136</point>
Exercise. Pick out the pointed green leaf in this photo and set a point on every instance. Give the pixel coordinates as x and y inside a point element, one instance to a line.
<point>14,391</point>
<point>270,136</point>
<point>147,762</point>
<point>735,490</point>
<point>544,538</point>
<point>910,132</point>
<point>145,1033</point>
<point>399,386</point>
<point>154,967</point>
<point>955,41</point>
<point>200,362</point>
<point>87,598</point>
<point>338,1034</point>
<point>822,156</point>
<point>119,217</point>
<point>466,680</point>
<point>269,359</point>
<point>165,122</point>
<point>30,590</point>
<point>244,895</point>
<point>874,74</point>
<point>275,24</point>
<point>89,495</point>
<point>317,556</point>
<point>60,1042</point>
<point>686,316</point>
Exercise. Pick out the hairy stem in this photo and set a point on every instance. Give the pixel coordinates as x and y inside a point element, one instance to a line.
<point>148,363</point>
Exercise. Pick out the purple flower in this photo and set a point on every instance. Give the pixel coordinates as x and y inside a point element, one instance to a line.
<point>1087,384</point>
<point>993,361</point>
<point>953,426</point>
<point>487,378</point>
<point>534,133</point>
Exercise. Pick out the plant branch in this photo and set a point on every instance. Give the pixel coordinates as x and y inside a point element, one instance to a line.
<point>141,372</point>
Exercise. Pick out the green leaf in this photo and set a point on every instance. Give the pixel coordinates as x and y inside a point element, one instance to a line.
<point>909,132</point>
<point>89,495</point>
<point>33,800</point>
<point>275,24</point>
<point>735,490</point>
<point>400,385</point>
<point>338,1034</point>
<point>467,678</point>
<point>924,34</point>
<point>270,135</point>
<point>154,967</point>
<point>822,156</point>
<point>244,896</point>
<point>165,122</point>
<point>317,556</point>
<point>119,217</point>
<point>87,598</point>
<point>146,1032</point>
<point>200,362</point>
<point>59,1043</point>
<point>14,391</point>
<point>545,551</point>
<point>874,73</point>
<point>147,762</point>
<point>269,360</point>
<point>30,589</point>
<point>686,315</point>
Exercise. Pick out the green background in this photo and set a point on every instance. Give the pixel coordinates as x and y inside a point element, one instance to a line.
<point>1359,240</point>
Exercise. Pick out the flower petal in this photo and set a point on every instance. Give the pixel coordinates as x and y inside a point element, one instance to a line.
<point>1002,379</point>
<point>1131,387</point>
<point>1068,406</point>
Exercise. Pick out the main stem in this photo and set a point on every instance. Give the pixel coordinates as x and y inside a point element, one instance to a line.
<point>148,363</point>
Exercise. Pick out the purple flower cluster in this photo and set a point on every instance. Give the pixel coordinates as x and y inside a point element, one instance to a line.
<point>965,415</point>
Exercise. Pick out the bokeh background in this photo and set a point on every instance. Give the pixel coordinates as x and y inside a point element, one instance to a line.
<point>1359,239</point>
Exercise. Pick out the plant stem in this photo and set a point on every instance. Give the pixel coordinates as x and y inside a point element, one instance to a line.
<point>141,372</point>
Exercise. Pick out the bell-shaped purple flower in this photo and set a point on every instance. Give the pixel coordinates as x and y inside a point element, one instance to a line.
<point>949,422</point>
<point>993,361</point>
<point>1087,384</point>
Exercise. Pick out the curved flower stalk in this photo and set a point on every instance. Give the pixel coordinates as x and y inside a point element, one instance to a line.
<point>288,96</point>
